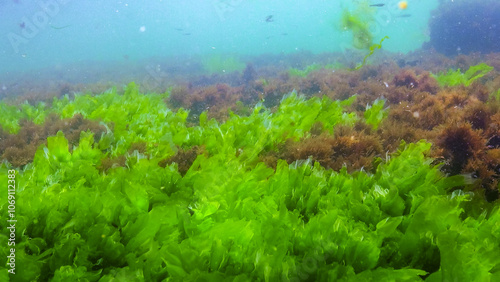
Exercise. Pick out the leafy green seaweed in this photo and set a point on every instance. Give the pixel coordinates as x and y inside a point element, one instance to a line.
<point>375,113</point>
<point>305,72</point>
<point>372,50</point>
<point>358,22</point>
<point>11,115</point>
<point>231,217</point>
<point>453,78</point>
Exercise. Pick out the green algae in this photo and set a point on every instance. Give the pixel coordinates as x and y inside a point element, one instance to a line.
<point>372,50</point>
<point>358,22</point>
<point>456,77</point>
<point>231,217</point>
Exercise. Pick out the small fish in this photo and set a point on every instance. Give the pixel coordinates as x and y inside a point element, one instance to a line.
<point>187,33</point>
<point>179,29</point>
<point>404,16</point>
<point>22,25</point>
<point>269,19</point>
<point>377,5</point>
<point>59,27</point>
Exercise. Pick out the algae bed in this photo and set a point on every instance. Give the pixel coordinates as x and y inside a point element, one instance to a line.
<point>289,167</point>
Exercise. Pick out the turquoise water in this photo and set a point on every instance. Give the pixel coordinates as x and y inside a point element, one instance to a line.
<point>52,34</point>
